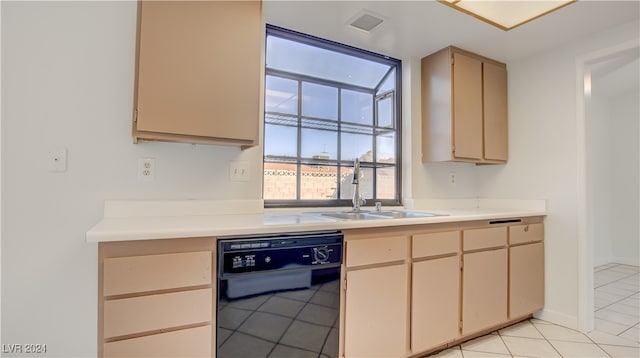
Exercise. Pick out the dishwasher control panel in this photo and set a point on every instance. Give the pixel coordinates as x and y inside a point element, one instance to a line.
<point>242,255</point>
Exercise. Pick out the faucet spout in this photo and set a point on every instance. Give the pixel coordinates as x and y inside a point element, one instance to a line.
<point>356,171</point>
<point>357,198</point>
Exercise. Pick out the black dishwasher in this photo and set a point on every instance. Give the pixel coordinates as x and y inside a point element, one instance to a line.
<point>279,295</point>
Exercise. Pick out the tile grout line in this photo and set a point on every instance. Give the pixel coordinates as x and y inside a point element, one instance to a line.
<point>633,326</point>
<point>616,302</point>
<point>505,343</point>
<point>545,338</point>
<point>620,279</point>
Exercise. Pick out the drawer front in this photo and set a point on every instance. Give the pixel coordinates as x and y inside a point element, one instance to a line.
<point>124,275</point>
<point>156,312</point>
<point>434,244</point>
<point>193,342</point>
<point>375,251</point>
<point>520,234</point>
<point>476,239</point>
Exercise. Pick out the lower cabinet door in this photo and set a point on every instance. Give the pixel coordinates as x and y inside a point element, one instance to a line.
<point>526,279</point>
<point>484,290</point>
<point>435,303</point>
<point>376,312</point>
<point>193,342</point>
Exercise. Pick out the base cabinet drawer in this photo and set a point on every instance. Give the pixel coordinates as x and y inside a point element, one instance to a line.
<point>156,312</point>
<point>435,244</point>
<point>376,250</point>
<point>520,234</point>
<point>193,342</point>
<point>478,239</point>
<point>126,275</point>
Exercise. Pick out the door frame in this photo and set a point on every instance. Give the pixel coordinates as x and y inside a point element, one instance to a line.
<point>586,238</point>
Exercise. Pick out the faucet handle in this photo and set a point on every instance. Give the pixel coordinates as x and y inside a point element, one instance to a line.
<point>362,200</point>
<point>378,206</point>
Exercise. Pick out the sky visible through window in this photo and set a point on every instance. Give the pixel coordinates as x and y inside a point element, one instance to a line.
<point>324,108</point>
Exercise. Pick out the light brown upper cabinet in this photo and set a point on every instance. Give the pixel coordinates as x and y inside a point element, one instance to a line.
<point>464,108</point>
<point>198,72</point>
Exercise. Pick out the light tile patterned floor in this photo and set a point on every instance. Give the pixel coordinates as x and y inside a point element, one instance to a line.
<point>617,300</point>
<point>536,338</point>
<point>617,326</point>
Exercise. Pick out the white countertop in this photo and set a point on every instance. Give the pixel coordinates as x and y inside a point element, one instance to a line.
<point>163,224</point>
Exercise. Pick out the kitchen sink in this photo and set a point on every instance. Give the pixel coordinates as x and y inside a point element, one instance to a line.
<point>403,214</point>
<point>351,215</point>
<point>376,215</point>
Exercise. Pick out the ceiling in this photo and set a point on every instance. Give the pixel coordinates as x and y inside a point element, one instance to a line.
<point>418,28</point>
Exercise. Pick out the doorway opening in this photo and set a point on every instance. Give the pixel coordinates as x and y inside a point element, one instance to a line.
<point>608,183</point>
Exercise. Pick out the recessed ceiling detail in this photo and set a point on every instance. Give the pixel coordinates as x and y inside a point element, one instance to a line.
<point>366,22</point>
<point>506,14</point>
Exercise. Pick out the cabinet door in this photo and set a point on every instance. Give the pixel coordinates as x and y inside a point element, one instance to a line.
<point>495,111</point>
<point>467,107</point>
<point>199,68</point>
<point>376,312</point>
<point>526,279</point>
<point>484,290</point>
<point>435,302</point>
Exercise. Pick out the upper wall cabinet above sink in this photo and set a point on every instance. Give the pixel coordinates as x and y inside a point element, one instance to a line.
<point>464,108</point>
<point>198,72</point>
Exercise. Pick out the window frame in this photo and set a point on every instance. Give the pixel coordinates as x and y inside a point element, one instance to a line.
<point>396,93</point>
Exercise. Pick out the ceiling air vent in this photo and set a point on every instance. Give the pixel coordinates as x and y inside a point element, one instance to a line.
<point>366,22</point>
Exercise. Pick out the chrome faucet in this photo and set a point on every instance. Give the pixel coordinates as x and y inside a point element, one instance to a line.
<point>357,198</point>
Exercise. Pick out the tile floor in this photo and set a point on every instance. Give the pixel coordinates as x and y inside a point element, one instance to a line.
<point>616,334</point>
<point>536,338</point>
<point>617,300</point>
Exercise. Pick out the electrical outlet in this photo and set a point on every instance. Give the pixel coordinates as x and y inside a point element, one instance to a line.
<point>146,169</point>
<point>452,178</point>
<point>239,171</point>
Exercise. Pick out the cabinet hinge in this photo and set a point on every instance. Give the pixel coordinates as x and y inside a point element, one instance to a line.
<point>461,264</point>
<point>344,284</point>
<point>453,149</point>
<point>135,115</point>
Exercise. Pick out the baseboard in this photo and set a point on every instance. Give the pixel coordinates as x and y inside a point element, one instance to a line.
<point>633,261</point>
<point>601,261</point>
<point>558,318</point>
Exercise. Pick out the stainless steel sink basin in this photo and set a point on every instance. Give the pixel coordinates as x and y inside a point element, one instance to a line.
<point>350,215</point>
<point>403,214</point>
<point>377,215</point>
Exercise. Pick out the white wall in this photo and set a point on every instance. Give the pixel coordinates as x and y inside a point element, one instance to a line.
<point>543,154</point>
<point>599,172</point>
<point>625,176</point>
<point>613,158</point>
<point>67,80</point>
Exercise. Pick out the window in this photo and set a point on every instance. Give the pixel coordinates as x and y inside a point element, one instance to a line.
<point>327,104</point>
